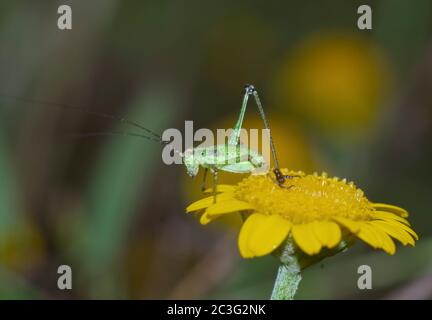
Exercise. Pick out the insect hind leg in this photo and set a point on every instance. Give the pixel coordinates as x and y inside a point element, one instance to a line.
<point>281,178</point>
<point>203,183</point>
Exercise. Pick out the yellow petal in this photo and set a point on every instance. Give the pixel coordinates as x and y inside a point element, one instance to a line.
<point>390,208</point>
<point>376,238</point>
<point>305,238</point>
<point>268,234</point>
<point>205,219</point>
<point>400,225</point>
<point>208,201</point>
<point>228,206</point>
<point>221,188</point>
<point>389,216</point>
<point>397,233</point>
<point>351,225</point>
<point>387,243</point>
<point>247,227</point>
<point>368,235</point>
<point>328,233</point>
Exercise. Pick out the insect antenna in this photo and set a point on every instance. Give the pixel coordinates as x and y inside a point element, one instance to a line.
<point>116,133</point>
<point>123,134</point>
<point>85,110</point>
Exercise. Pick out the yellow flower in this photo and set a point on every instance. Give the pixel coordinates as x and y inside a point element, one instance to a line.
<point>315,211</point>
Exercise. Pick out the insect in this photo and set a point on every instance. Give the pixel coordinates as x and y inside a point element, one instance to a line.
<point>231,157</point>
<point>234,150</point>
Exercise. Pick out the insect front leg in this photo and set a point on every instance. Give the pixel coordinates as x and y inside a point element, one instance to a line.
<point>252,160</point>
<point>203,184</point>
<point>215,179</point>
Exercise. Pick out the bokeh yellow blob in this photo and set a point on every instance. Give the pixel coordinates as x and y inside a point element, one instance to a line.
<point>291,146</point>
<point>336,81</point>
<point>22,248</point>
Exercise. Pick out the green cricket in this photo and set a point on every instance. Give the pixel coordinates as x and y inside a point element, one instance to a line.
<point>231,157</point>
<point>220,157</point>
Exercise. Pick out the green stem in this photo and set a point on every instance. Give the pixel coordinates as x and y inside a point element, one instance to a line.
<point>286,284</point>
<point>289,274</point>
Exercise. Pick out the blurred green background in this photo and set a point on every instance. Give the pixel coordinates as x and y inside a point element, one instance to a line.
<point>357,104</point>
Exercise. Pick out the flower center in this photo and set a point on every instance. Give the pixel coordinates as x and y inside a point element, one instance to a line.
<point>306,198</point>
